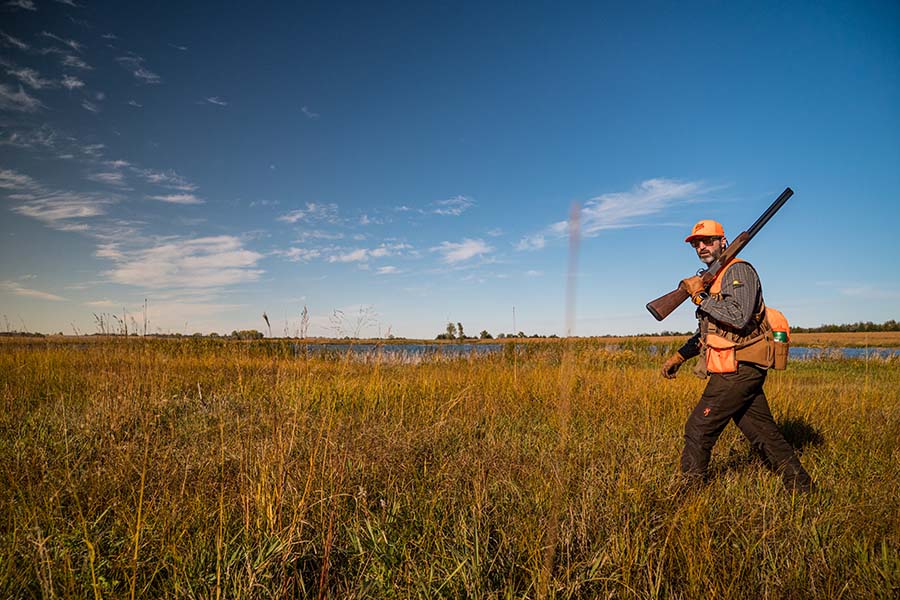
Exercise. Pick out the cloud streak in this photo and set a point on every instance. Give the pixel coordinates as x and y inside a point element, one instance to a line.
<point>109,178</point>
<point>31,78</point>
<point>453,207</point>
<point>457,252</point>
<point>198,263</point>
<point>18,101</point>
<point>17,289</point>
<point>70,43</point>
<point>621,210</point>
<point>313,213</point>
<point>135,64</point>
<point>71,83</point>
<point>22,4</point>
<point>363,255</point>
<point>624,209</point>
<point>74,62</point>
<point>58,209</point>
<point>295,254</point>
<point>9,40</point>
<point>532,242</point>
<point>178,199</point>
<point>168,179</point>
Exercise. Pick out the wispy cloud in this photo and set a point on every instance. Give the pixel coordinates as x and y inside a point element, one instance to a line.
<point>186,263</point>
<point>22,4</point>
<point>531,242</point>
<point>314,212</point>
<point>217,101</point>
<point>621,210</point>
<point>109,36</point>
<point>16,288</point>
<point>135,104</point>
<point>318,234</point>
<point>90,106</point>
<point>453,206</point>
<point>63,210</point>
<point>169,179</point>
<point>387,270</point>
<point>13,180</point>
<point>31,78</point>
<point>178,199</point>
<point>92,150</point>
<point>8,40</point>
<point>177,47</point>
<point>49,139</point>
<point>68,3</point>
<point>135,64</point>
<point>72,83</point>
<point>357,255</point>
<point>389,250</point>
<point>104,304</point>
<point>58,209</point>
<point>18,101</point>
<point>309,114</point>
<point>456,252</point>
<point>75,62</point>
<point>625,209</point>
<point>115,178</point>
<point>294,254</point>
<point>362,255</point>
<point>147,76</point>
<point>70,43</point>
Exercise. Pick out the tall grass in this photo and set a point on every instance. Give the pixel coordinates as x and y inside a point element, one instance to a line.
<point>198,469</point>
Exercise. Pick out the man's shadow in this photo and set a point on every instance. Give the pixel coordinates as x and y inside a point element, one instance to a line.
<point>799,433</point>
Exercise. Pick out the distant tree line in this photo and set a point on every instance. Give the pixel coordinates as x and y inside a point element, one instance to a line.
<point>455,331</point>
<point>663,333</point>
<point>891,325</point>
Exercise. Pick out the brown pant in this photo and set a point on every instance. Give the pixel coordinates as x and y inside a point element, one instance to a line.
<point>739,397</point>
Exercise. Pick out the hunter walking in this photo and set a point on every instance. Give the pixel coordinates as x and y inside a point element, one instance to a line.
<point>736,340</point>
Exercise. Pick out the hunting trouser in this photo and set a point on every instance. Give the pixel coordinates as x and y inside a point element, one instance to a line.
<point>739,397</point>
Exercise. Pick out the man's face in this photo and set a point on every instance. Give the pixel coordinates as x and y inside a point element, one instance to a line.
<point>708,248</point>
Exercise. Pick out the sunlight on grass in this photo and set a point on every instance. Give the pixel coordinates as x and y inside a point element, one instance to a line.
<point>209,468</point>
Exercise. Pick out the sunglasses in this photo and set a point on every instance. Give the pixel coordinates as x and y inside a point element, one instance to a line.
<point>706,241</point>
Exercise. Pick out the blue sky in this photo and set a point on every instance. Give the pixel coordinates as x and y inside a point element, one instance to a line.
<point>409,164</point>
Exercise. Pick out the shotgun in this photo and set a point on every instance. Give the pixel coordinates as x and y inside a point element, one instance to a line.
<point>663,306</point>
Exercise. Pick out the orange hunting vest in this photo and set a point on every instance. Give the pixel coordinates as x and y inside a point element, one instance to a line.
<point>724,346</point>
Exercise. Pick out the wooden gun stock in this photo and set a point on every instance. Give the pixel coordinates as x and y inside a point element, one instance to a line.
<point>663,306</point>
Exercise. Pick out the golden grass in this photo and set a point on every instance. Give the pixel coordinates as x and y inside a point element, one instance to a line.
<point>199,468</point>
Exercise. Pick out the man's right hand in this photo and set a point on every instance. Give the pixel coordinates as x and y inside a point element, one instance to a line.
<point>671,366</point>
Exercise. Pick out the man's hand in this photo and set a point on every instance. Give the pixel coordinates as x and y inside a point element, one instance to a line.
<point>694,287</point>
<point>671,366</point>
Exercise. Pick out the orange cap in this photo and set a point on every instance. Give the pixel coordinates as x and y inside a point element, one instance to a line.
<point>706,228</point>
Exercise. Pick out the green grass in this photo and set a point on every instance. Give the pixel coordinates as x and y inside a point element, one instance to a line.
<point>198,468</point>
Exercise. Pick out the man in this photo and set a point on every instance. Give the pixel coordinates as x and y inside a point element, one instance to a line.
<point>736,341</point>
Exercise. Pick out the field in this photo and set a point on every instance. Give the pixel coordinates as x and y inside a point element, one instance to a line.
<point>200,468</point>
